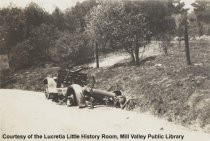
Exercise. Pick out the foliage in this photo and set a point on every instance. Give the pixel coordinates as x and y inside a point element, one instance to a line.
<point>72,49</point>
<point>100,24</point>
<point>20,55</point>
<point>183,24</point>
<point>63,36</point>
<point>42,39</point>
<point>202,12</point>
<point>58,19</point>
<point>159,15</point>
<point>3,49</point>
<point>12,24</point>
<point>131,23</point>
<point>31,36</point>
<point>35,15</point>
<point>75,17</point>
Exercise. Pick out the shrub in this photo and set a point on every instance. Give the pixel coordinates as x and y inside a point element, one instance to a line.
<point>20,56</point>
<point>72,49</point>
<point>5,78</point>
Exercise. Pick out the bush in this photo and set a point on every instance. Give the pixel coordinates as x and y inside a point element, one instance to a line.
<point>42,39</point>
<point>72,49</point>
<point>20,56</point>
<point>5,77</point>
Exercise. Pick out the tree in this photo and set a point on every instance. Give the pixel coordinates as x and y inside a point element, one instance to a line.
<point>131,23</point>
<point>121,20</point>
<point>58,19</point>
<point>30,28</point>
<point>75,17</point>
<point>42,39</point>
<point>182,23</point>
<point>72,49</point>
<point>40,33</point>
<point>179,18</point>
<point>21,57</point>
<point>3,49</point>
<point>99,25</point>
<point>132,27</point>
<point>161,23</point>
<point>35,15</point>
<point>202,11</point>
<point>12,28</point>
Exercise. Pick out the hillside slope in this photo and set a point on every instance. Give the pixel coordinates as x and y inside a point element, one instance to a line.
<point>162,84</point>
<point>165,85</point>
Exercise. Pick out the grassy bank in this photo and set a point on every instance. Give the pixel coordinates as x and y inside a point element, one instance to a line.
<point>165,85</point>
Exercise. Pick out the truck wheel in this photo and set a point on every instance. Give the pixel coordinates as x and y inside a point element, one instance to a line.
<point>47,95</point>
<point>70,100</point>
<point>78,96</point>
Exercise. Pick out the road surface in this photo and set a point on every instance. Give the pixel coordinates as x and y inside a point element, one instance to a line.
<point>113,58</point>
<point>25,113</point>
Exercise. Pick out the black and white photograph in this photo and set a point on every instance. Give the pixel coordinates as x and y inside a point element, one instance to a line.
<point>104,70</point>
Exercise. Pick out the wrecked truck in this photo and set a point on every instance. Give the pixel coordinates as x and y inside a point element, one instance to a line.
<point>77,89</point>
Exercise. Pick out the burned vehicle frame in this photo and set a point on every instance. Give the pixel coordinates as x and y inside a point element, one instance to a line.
<point>71,87</point>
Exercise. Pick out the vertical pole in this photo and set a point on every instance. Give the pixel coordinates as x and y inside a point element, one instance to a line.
<point>96,55</point>
<point>137,52</point>
<point>186,38</point>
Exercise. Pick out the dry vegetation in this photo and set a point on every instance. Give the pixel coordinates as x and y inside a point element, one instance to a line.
<point>166,85</point>
<point>31,79</point>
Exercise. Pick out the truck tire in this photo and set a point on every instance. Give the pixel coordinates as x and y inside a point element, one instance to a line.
<point>47,95</point>
<point>77,92</point>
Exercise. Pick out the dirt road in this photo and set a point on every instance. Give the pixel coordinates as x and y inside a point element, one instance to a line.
<point>23,113</point>
<point>113,58</point>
